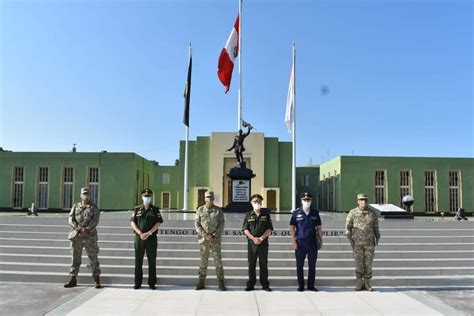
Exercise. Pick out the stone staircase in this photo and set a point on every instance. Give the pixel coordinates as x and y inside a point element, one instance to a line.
<point>412,253</point>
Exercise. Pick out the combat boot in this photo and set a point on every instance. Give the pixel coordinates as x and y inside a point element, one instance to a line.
<point>200,284</point>
<point>359,284</point>
<point>97,282</point>
<point>222,285</point>
<point>367,285</point>
<point>71,283</point>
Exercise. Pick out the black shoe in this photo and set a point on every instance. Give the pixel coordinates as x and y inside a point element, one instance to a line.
<point>249,288</point>
<point>267,288</point>
<point>313,289</point>
<point>152,287</point>
<point>137,286</point>
<point>301,289</point>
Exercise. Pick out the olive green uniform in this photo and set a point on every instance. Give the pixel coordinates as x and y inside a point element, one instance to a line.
<point>257,225</point>
<point>145,219</point>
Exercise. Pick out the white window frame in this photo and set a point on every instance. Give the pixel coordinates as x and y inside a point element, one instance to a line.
<point>94,186</point>
<point>430,187</point>
<point>18,184</point>
<point>67,186</point>
<point>162,200</point>
<point>42,202</point>
<point>405,185</point>
<point>380,187</point>
<point>453,207</point>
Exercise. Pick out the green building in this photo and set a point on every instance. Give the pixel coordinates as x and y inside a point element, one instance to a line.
<point>437,184</point>
<point>52,180</point>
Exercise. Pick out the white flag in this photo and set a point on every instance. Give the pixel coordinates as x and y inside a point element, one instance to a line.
<point>290,101</point>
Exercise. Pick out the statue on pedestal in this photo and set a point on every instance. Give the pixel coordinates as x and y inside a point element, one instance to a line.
<point>238,145</point>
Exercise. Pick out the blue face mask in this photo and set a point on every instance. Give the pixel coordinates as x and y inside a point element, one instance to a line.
<point>146,200</point>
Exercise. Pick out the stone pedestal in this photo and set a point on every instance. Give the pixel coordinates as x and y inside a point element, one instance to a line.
<point>241,178</point>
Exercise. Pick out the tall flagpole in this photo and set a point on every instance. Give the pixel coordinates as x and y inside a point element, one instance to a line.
<point>239,106</point>
<point>293,132</point>
<point>186,188</point>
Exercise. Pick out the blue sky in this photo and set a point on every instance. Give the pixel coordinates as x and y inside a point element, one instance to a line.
<point>110,75</point>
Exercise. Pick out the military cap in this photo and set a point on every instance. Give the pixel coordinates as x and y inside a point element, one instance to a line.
<point>256,197</point>
<point>306,196</point>
<point>147,192</point>
<point>209,194</point>
<point>85,190</point>
<point>361,196</point>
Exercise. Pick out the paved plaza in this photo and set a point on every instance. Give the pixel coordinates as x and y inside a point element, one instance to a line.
<point>52,299</point>
<point>33,276</point>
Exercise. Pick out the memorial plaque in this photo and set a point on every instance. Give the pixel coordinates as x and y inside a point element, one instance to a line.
<point>240,190</point>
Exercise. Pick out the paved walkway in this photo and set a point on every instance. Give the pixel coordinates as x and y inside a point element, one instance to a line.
<point>178,301</point>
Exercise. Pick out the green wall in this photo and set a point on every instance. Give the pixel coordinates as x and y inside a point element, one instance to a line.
<point>272,161</point>
<point>358,176</point>
<point>284,175</point>
<point>116,176</point>
<point>313,188</point>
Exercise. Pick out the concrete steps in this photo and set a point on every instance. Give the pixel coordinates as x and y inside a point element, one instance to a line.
<point>411,253</point>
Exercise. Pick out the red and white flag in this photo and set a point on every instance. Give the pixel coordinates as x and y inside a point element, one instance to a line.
<point>228,55</point>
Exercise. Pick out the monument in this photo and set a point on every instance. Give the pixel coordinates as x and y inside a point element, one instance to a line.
<point>240,175</point>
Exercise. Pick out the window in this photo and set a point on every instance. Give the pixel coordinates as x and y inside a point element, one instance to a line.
<point>42,197</point>
<point>430,193</point>
<point>93,183</point>
<point>68,186</point>
<point>405,186</point>
<point>454,184</point>
<point>380,180</point>
<point>305,180</point>
<point>166,178</point>
<point>18,183</point>
<point>165,200</point>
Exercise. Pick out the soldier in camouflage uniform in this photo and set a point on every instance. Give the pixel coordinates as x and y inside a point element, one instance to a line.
<point>362,230</point>
<point>83,220</point>
<point>209,225</point>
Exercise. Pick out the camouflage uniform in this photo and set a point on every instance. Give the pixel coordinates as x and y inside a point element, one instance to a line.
<point>84,216</point>
<point>362,227</point>
<point>210,221</point>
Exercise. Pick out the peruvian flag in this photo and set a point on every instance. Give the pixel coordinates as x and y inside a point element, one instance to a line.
<point>228,55</point>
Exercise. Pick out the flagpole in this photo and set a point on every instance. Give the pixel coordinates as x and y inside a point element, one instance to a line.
<point>293,132</point>
<point>186,188</point>
<point>239,105</point>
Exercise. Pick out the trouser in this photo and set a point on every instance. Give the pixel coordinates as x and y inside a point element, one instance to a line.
<point>205,248</point>
<point>149,247</point>
<point>306,247</point>
<point>363,256</point>
<point>260,252</point>
<point>92,250</point>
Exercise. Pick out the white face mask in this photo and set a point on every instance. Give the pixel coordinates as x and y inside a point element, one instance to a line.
<point>306,204</point>
<point>256,206</point>
<point>146,200</point>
